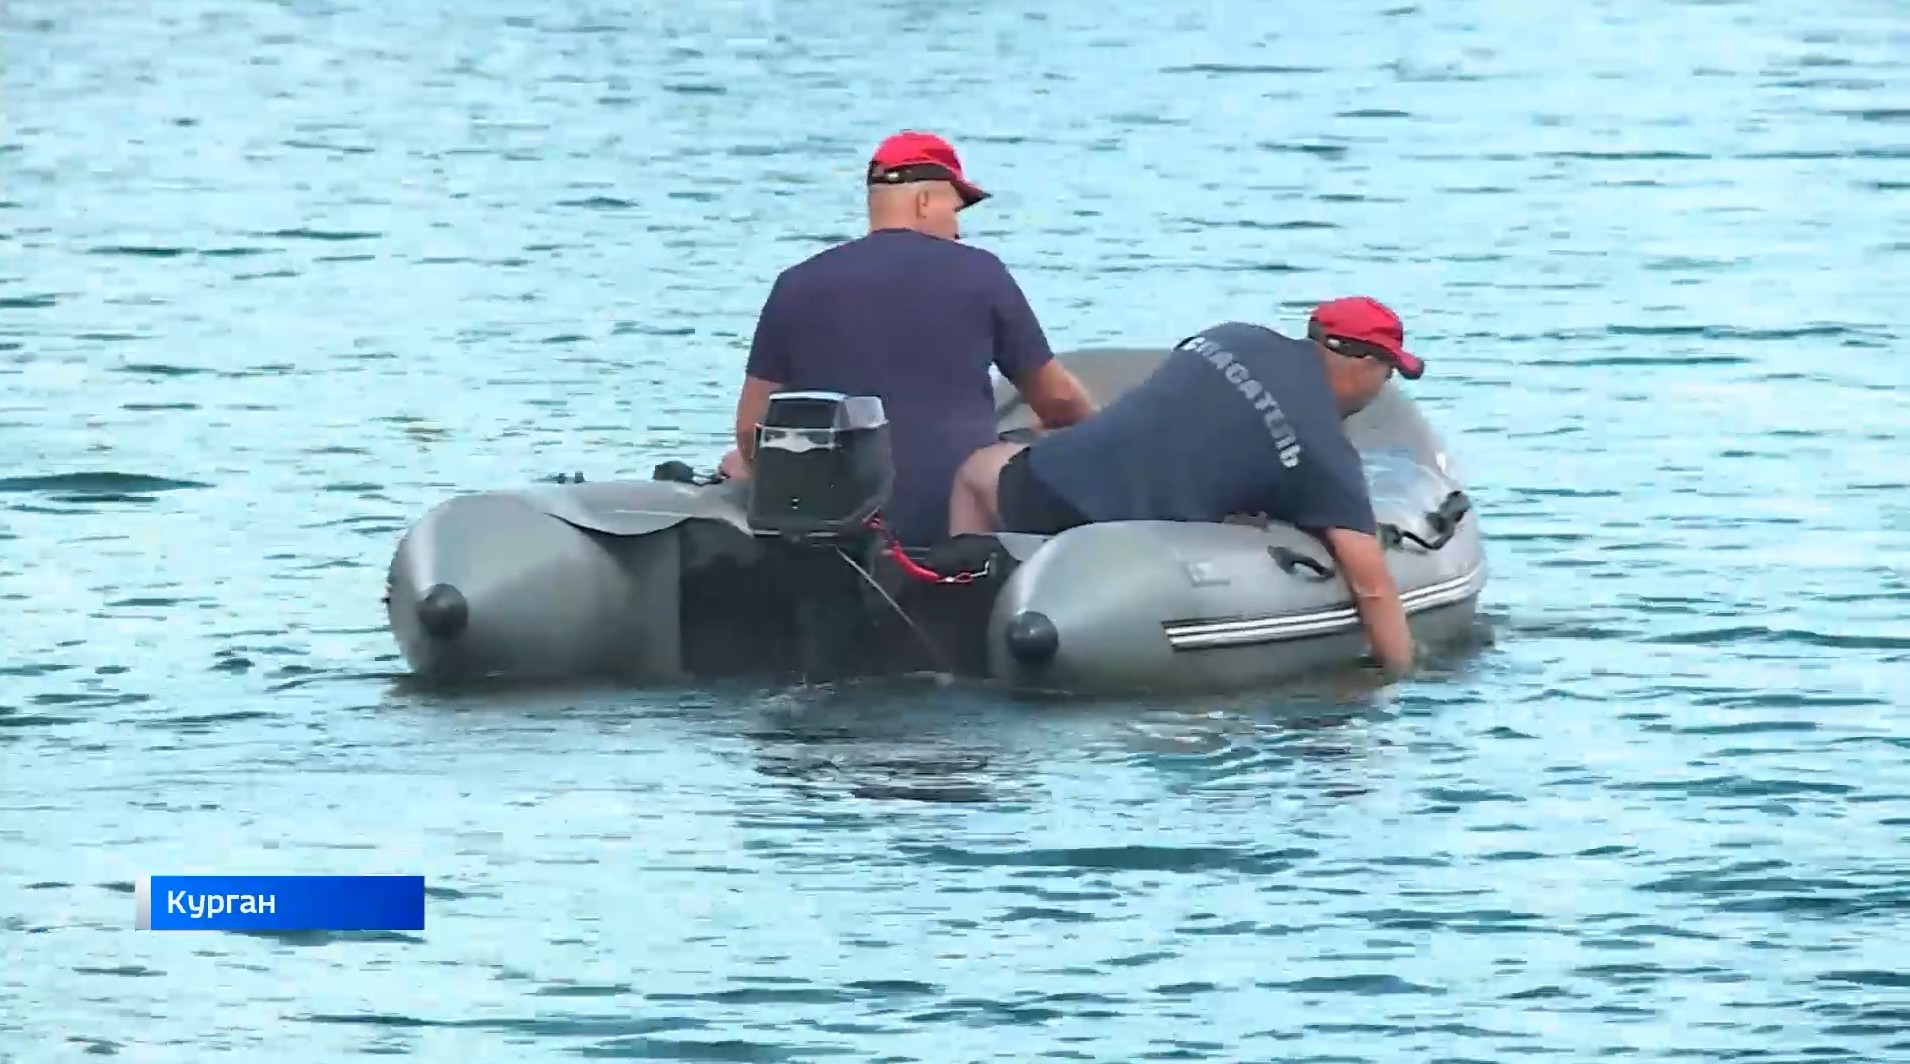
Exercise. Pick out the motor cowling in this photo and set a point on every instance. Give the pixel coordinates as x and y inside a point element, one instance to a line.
<point>822,466</point>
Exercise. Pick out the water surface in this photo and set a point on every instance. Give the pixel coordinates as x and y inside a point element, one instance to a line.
<point>277,277</point>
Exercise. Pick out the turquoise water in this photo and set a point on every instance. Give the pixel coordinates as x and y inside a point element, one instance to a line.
<point>277,277</point>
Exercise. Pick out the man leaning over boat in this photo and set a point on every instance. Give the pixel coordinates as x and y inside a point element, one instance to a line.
<point>1237,419</point>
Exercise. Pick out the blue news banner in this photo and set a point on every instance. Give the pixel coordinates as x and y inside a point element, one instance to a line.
<point>279,903</point>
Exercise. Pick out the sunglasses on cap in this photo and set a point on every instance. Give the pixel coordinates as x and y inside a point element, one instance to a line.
<point>1351,348</point>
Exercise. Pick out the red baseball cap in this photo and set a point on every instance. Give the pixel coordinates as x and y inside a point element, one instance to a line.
<point>1349,324</point>
<point>913,156</point>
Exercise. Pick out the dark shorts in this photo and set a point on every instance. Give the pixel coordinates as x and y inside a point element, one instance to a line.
<point>1027,504</point>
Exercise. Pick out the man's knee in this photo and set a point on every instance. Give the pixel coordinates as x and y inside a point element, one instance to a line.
<point>981,473</point>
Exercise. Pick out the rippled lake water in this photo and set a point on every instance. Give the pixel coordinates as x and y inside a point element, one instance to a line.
<point>275,277</point>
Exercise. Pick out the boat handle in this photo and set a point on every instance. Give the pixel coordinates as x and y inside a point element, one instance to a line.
<point>1444,522</point>
<point>1290,560</point>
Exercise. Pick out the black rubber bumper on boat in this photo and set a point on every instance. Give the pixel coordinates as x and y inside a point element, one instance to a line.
<point>1031,638</point>
<point>442,611</point>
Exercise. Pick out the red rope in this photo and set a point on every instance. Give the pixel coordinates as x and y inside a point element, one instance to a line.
<point>910,565</point>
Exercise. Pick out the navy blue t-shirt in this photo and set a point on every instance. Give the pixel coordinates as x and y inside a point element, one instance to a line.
<point>916,321</point>
<point>1237,419</point>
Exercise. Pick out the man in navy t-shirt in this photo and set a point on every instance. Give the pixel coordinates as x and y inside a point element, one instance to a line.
<point>909,314</point>
<point>1237,419</point>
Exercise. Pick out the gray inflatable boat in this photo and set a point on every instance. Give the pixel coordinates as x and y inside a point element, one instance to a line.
<point>681,578</point>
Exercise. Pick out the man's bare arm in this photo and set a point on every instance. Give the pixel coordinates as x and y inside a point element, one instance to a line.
<point>751,404</point>
<point>1362,563</point>
<point>1056,395</point>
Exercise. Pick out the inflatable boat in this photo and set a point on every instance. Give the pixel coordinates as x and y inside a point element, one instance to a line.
<point>789,574</point>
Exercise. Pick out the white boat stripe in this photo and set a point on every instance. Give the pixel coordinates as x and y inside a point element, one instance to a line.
<point>1195,635</point>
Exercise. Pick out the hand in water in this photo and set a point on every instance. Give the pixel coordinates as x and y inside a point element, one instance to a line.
<point>1363,685</point>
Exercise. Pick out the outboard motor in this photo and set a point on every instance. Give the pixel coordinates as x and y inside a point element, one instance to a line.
<point>822,466</point>
<point>822,469</point>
